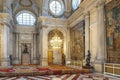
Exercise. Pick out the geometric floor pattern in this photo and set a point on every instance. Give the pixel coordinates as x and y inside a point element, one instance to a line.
<point>60,77</point>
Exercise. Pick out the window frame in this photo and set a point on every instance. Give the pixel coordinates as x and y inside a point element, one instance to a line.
<point>77,5</point>
<point>62,8</point>
<point>25,11</point>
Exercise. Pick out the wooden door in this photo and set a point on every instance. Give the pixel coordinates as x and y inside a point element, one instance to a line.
<point>50,57</point>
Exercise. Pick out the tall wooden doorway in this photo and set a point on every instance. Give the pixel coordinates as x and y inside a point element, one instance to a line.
<point>50,57</point>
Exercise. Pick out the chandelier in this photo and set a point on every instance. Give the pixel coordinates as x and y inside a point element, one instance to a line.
<point>56,41</point>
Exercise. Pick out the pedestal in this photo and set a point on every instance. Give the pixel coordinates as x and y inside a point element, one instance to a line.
<point>88,67</point>
<point>5,62</point>
<point>25,59</point>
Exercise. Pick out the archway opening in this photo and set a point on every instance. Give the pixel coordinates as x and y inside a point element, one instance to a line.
<point>56,56</point>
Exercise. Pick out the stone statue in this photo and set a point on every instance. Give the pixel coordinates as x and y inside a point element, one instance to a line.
<point>25,49</point>
<point>88,59</point>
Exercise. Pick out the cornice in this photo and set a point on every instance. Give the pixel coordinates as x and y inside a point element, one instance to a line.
<point>79,14</point>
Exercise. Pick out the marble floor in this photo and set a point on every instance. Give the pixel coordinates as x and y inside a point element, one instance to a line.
<point>93,76</point>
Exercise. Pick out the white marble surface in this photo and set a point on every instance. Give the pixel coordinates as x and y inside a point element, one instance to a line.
<point>63,77</point>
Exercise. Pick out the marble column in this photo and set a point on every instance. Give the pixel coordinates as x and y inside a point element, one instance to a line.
<point>5,60</point>
<point>5,28</point>
<point>16,55</point>
<point>87,33</point>
<point>68,55</point>
<point>44,58</point>
<point>40,46</point>
<point>101,38</point>
<point>32,51</point>
<point>34,43</point>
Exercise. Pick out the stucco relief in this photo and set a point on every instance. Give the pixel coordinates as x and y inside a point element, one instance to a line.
<point>26,37</point>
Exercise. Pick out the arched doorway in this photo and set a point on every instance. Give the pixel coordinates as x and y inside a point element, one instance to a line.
<point>56,56</point>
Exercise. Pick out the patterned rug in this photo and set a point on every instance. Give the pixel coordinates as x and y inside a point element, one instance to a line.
<point>62,77</point>
<point>39,71</point>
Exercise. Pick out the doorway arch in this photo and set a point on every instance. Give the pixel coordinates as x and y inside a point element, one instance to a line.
<point>55,55</point>
<point>45,39</point>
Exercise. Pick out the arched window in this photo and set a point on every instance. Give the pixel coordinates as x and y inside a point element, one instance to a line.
<point>75,4</point>
<point>25,18</point>
<point>56,7</point>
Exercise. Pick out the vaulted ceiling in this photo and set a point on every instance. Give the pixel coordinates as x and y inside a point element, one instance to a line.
<point>38,7</point>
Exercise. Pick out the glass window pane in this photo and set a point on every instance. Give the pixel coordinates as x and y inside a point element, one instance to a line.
<point>55,7</point>
<point>25,18</point>
<point>75,4</point>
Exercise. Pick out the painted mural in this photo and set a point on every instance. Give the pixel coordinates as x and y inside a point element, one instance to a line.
<point>113,31</point>
<point>77,41</point>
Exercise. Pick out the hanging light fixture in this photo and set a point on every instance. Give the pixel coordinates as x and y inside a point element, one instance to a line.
<point>56,41</point>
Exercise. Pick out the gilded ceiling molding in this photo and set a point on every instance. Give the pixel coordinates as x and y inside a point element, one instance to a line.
<point>25,5</point>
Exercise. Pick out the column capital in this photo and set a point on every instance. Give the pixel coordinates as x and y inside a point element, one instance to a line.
<point>87,14</point>
<point>6,19</point>
<point>100,3</point>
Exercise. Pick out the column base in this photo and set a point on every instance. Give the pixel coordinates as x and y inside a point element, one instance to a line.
<point>35,61</point>
<point>44,62</point>
<point>5,62</point>
<point>15,61</point>
<point>68,61</point>
<point>99,66</point>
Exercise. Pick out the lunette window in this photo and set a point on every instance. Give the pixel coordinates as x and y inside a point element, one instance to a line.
<point>25,18</point>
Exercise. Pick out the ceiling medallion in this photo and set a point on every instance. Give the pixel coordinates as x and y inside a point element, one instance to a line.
<point>25,3</point>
